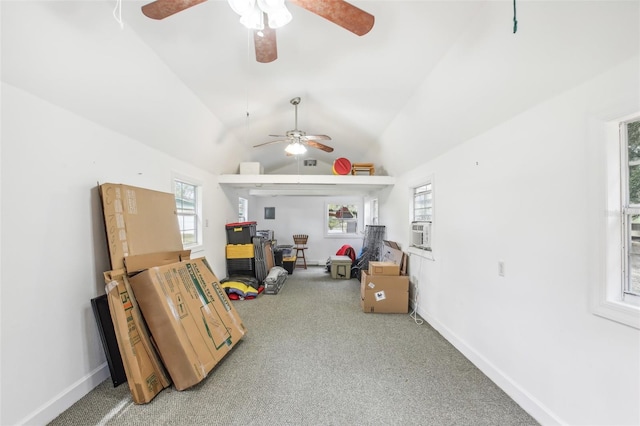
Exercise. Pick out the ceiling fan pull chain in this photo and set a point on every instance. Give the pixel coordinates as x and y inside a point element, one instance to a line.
<point>515,21</point>
<point>117,13</point>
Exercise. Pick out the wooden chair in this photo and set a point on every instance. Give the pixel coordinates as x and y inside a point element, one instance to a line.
<point>300,244</point>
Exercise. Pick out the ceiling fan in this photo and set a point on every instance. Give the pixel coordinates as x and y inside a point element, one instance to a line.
<point>298,139</point>
<point>264,16</point>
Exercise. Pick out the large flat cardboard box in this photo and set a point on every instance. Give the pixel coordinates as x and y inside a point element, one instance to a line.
<point>138,221</point>
<point>391,252</point>
<point>145,373</point>
<point>383,268</point>
<point>384,293</point>
<point>190,317</point>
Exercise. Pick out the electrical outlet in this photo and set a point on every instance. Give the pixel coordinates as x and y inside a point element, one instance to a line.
<point>501,268</point>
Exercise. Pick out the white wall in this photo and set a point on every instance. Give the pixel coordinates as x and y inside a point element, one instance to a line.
<point>80,107</point>
<point>524,193</point>
<point>304,215</point>
<point>490,74</point>
<point>54,249</point>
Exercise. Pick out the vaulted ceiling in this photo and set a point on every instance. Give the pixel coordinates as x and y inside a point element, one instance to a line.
<point>428,76</point>
<point>350,87</point>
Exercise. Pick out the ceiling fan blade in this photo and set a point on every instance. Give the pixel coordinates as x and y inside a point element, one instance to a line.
<point>270,142</point>
<point>340,13</point>
<point>161,9</point>
<point>319,145</point>
<point>277,136</point>
<point>265,44</point>
<point>317,137</point>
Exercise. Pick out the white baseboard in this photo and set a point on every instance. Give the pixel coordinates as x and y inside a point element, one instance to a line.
<point>528,403</point>
<point>65,399</point>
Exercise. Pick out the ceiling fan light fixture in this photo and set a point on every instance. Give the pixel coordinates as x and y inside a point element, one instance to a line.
<point>254,19</point>
<point>252,13</point>
<point>295,148</point>
<point>280,18</point>
<point>242,7</point>
<point>271,6</point>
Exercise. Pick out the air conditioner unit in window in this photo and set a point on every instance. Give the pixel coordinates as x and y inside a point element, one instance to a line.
<point>421,235</point>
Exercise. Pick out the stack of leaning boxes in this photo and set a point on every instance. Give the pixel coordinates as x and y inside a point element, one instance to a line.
<point>383,289</point>
<point>240,250</point>
<point>172,319</point>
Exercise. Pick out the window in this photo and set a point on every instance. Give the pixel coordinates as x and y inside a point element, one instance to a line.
<point>189,211</point>
<point>420,226</point>
<point>371,211</point>
<point>243,209</point>
<point>342,219</point>
<point>422,203</point>
<point>615,291</point>
<point>630,179</point>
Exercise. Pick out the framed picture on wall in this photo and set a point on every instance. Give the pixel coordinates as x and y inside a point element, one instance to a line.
<point>269,212</point>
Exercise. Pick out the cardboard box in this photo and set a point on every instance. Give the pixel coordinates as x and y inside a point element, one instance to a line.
<point>383,268</point>
<point>391,252</point>
<point>340,267</point>
<point>141,262</point>
<point>138,221</point>
<point>384,293</point>
<point>190,317</point>
<point>251,168</point>
<point>145,373</point>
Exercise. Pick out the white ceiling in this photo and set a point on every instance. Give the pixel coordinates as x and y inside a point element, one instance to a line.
<point>429,75</point>
<point>351,87</point>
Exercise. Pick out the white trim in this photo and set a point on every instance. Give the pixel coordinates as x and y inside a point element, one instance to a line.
<point>69,396</point>
<point>426,254</point>
<point>524,399</point>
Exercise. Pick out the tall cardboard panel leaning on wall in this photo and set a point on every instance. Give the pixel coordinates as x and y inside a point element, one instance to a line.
<point>138,221</point>
<point>146,375</point>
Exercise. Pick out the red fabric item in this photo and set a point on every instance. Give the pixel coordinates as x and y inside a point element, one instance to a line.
<point>347,250</point>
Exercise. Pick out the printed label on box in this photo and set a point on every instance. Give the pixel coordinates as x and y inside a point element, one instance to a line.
<point>371,285</point>
<point>132,203</point>
<point>380,296</point>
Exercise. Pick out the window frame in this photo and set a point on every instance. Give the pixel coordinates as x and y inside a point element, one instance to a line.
<point>427,181</point>
<point>414,195</point>
<point>243,207</point>
<point>198,222</point>
<point>627,210</point>
<point>347,202</point>
<point>608,300</point>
